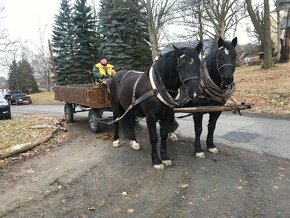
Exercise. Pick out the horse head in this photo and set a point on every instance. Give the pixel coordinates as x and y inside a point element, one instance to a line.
<point>188,65</point>
<point>226,61</point>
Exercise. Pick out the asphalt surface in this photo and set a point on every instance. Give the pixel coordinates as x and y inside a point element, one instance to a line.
<point>262,135</point>
<point>85,176</point>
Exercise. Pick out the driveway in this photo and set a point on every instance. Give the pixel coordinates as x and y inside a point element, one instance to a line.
<point>87,177</point>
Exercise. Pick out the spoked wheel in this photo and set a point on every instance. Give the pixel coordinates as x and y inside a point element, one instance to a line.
<point>94,124</point>
<point>68,112</point>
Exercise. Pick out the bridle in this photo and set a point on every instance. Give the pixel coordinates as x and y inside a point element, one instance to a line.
<point>223,65</point>
<point>179,73</point>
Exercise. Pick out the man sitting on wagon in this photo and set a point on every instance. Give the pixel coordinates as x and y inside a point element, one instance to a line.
<point>104,71</point>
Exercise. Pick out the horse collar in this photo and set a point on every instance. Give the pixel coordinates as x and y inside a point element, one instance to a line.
<point>162,94</point>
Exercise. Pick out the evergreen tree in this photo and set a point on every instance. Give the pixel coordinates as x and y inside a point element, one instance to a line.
<point>26,76</point>
<point>86,41</point>
<point>123,34</point>
<point>21,77</point>
<point>13,76</point>
<point>63,42</point>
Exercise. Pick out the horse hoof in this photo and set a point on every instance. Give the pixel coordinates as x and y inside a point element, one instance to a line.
<point>158,166</point>
<point>167,162</point>
<point>213,150</point>
<point>135,145</point>
<point>200,155</point>
<point>172,137</point>
<point>116,143</point>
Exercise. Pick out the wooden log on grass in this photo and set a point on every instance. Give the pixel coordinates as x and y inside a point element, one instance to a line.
<point>26,146</point>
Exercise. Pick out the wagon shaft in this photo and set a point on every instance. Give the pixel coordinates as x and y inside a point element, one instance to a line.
<point>235,107</point>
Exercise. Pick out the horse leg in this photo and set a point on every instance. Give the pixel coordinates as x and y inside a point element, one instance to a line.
<point>131,133</point>
<point>173,126</point>
<point>164,128</point>
<point>197,117</point>
<point>151,125</point>
<point>213,117</point>
<point>116,108</point>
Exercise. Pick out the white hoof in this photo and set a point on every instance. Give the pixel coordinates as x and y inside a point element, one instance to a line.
<point>134,145</point>
<point>167,162</point>
<point>158,167</point>
<point>172,136</point>
<point>213,150</point>
<point>116,143</point>
<point>200,155</point>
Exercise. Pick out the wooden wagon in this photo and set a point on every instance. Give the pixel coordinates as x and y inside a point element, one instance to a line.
<point>92,98</point>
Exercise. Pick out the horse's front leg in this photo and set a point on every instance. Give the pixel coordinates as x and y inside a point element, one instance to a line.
<point>116,142</point>
<point>213,117</point>
<point>164,129</point>
<point>197,117</point>
<point>151,124</point>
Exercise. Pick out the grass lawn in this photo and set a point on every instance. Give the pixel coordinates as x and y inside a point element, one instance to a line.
<point>43,98</point>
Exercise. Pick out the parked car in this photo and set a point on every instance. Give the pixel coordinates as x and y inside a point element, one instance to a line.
<point>4,107</point>
<point>18,97</point>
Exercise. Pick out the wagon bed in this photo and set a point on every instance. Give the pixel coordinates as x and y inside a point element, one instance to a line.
<point>92,98</point>
<point>85,96</point>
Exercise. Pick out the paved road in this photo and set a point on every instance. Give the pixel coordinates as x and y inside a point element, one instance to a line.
<point>263,135</point>
<point>86,176</point>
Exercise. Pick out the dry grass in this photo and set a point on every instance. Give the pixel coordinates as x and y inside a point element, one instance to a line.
<point>268,90</point>
<point>18,131</point>
<point>43,98</point>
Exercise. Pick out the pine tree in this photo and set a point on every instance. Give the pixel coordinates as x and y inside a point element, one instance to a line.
<point>26,76</point>
<point>123,34</point>
<point>86,41</point>
<point>13,76</point>
<point>63,42</point>
<point>21,77</point>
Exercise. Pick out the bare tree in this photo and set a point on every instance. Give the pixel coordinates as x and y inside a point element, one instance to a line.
<point>158,14</point>
<point>223,16</point>
<point>264,31</point>
<point>41,61</point>
<point>212,18</point>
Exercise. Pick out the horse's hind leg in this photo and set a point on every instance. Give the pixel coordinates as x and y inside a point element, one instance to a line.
<point>164,129</point>
<point>151,124</point>
<point>213,117</point>
<point>197,117</point>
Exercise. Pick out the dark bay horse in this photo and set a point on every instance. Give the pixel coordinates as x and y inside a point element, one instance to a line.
<point>217,84</point>
<point>152,95</point>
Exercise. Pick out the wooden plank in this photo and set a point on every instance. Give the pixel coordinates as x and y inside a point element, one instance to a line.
<point>213,108</point>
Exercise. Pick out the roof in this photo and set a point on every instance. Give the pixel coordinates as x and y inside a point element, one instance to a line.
<point>189,43</point>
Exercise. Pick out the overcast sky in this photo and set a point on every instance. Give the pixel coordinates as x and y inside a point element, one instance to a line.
<point>23,18</point>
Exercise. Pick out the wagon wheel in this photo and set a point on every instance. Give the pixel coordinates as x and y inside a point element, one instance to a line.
<point>94,124</point>
<point>68,112</point>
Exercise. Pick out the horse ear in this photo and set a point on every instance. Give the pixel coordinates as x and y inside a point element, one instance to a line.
<point>235,41</point>
<point>220,42</point>
<point>198,48</point>
<point>177,51</point>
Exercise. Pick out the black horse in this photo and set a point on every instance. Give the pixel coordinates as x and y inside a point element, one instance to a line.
<point>152,95</point>
<point>217,85</point>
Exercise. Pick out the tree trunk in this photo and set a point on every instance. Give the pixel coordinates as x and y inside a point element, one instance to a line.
<point>268,59</point>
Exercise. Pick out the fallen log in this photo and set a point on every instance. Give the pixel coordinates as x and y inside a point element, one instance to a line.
<point>229,107</point>
<point>26,146</point>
